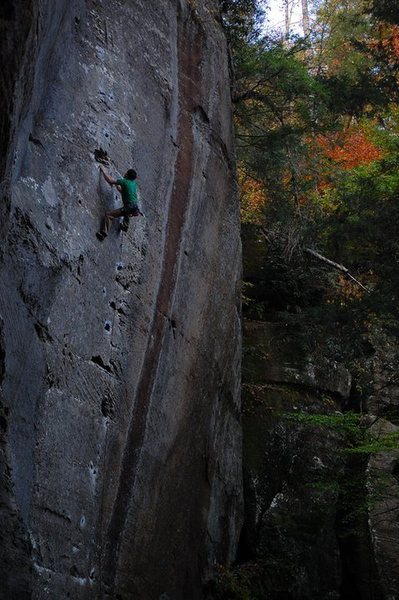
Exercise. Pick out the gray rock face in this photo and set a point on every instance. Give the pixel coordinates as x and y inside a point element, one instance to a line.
<point>292,465</point>
<point>322,494</point>
<point>383,488</point>
<point>119,362</point>
<point>382,471</point>
<point>275,361</point>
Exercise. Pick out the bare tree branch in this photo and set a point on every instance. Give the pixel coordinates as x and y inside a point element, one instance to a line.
<point>336,266</point>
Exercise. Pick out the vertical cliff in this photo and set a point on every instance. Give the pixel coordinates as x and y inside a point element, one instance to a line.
<point>120,361</point>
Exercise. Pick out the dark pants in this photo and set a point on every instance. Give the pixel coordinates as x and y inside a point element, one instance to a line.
<point>118,212</point>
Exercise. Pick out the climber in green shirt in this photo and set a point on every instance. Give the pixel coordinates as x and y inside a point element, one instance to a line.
<point>127,186</point>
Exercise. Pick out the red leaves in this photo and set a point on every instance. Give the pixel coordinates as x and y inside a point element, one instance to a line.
<point>349,149</point>
<point>387,43</point>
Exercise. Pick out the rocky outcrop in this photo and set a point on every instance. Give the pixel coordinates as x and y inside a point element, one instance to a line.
<point>383,489</point>
<point>292,465</point>
<point>278,360</point>
<point>321,486</point>
<point>120,361</point>
<point>383,463</point>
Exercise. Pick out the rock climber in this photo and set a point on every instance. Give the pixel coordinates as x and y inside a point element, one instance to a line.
<point>127,186</point>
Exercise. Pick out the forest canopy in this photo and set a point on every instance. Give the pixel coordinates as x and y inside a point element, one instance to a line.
<point>317,122</point>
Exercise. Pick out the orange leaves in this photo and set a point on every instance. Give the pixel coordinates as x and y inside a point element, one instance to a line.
<point>345,291</point>
<point>349,149</point>
<point>329,153</point>
<point>252,197</point>
<point>392,41</point>
<point>387,42</point>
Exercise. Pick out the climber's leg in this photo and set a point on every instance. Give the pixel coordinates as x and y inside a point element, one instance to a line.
<point>108,218</point>
<point>125,223</point>
<point>131,212</point>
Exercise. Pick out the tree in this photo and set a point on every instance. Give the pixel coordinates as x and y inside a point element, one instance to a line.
<point>288,5</point>
<point>309,129</point>
<point>305,17</point>
<point>317,126</point>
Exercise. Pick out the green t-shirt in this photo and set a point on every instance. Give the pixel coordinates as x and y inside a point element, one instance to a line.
<point>129,191</point>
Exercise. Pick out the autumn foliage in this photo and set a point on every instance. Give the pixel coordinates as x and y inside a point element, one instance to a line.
<point>349,149</point>
<point>252,197</point>
<point>344,150</point>
<point>387,42</point>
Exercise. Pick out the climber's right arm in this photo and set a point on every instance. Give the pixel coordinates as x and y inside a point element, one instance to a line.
<point>107,178</point>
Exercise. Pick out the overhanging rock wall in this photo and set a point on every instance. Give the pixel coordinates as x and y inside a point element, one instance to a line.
<point>119,361</point>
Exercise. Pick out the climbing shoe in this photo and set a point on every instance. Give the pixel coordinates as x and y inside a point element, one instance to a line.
<point>100,235</point>
<point>123,227</point>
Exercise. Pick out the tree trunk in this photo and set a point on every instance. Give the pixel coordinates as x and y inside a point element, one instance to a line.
<point>305,17</point>
<point>287,18</point>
